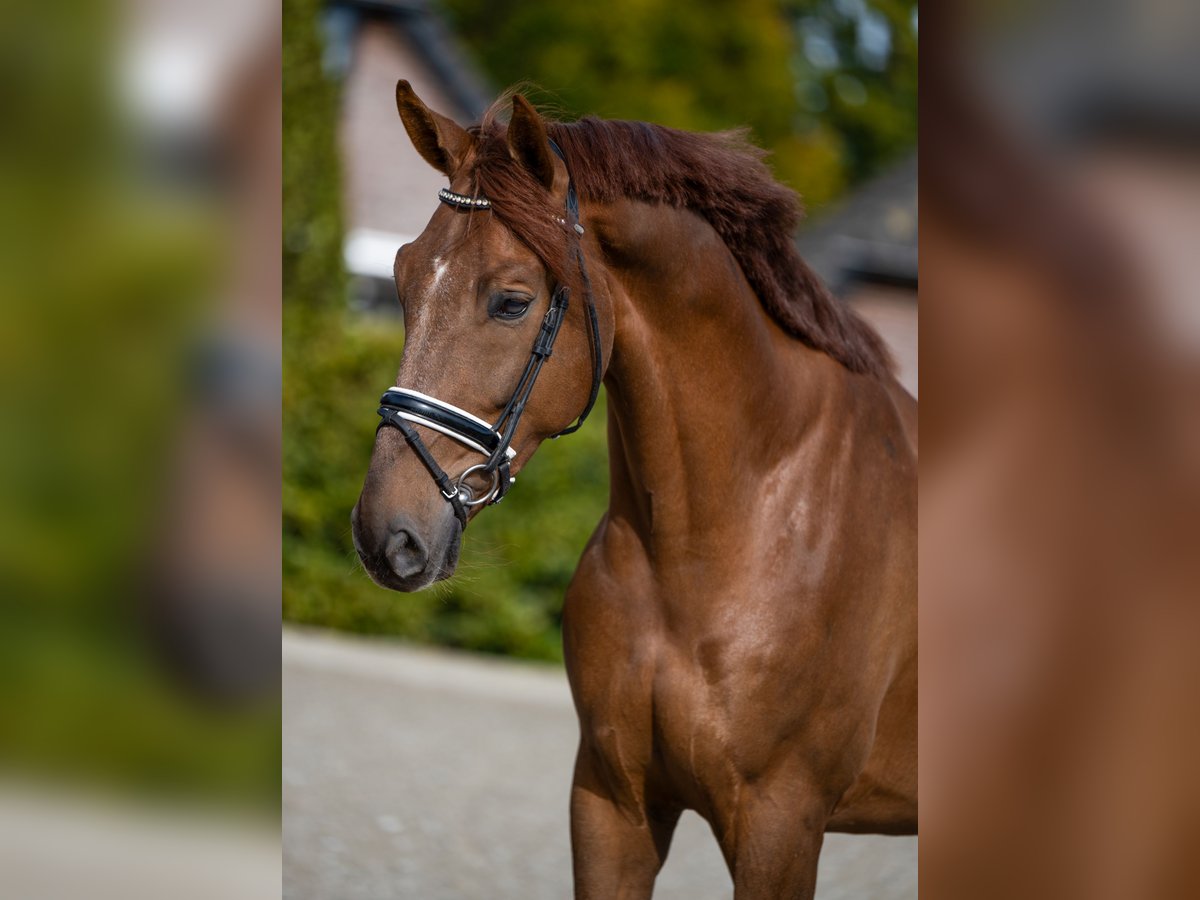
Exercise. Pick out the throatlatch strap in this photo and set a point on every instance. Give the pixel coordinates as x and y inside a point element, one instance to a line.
<point>594,342</point>
<point>593,325</point>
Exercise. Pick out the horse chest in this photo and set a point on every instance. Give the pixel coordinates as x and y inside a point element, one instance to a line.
<point>679,682</point>
<point>693,716</point>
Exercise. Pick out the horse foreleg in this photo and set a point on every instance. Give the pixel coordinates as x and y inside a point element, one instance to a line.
<point>771,841</point>
<point>618,843</point>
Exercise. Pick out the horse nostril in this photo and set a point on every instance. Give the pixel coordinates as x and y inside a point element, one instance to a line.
<point>406,554</point>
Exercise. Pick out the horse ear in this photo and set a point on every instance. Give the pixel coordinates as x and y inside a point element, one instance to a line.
<point>528,141</point>
<point>442,142</point>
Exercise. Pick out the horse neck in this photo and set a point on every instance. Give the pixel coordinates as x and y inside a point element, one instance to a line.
<point>705,392</point>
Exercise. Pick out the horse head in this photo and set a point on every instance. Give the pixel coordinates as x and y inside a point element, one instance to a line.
<point>488,294</point>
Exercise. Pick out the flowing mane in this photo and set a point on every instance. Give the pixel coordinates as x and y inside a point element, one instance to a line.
<point>720,176</point>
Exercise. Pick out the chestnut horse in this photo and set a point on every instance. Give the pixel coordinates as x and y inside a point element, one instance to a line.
<point>740,634</point>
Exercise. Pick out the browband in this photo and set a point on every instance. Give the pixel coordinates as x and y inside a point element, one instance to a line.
<point>448,196</point>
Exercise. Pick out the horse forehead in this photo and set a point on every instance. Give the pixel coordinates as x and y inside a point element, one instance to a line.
<point>440,267</point>
<point>433,288</point>
<point>456,261</point>
<point>441,286</point>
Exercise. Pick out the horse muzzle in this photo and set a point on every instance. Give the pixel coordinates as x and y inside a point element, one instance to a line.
<point>403,555</point>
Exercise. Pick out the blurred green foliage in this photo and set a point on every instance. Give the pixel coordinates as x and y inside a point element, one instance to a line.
<point>104,274</point>
<point>702,66</point>
<point>312,222</point>
<point>828,86</point>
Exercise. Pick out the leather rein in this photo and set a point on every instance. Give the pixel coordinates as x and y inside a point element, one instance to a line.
<point>402,408</point>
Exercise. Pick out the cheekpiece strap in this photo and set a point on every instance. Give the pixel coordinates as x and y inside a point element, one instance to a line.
<point>572,197</point>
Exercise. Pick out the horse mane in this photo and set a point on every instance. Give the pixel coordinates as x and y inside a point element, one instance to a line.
<point>720,176</point>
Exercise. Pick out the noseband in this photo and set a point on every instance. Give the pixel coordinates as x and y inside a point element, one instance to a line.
<point>402,408</point>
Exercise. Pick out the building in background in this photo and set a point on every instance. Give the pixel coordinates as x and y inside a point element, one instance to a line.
<point>369,45</point>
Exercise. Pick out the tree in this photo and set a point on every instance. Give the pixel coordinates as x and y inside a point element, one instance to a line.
<point>829,86</point>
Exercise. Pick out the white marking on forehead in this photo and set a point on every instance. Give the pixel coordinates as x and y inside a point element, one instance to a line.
<point>439,269</point>
<point>441,284</point>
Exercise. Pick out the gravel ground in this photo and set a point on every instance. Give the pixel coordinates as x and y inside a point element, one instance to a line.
<point>412,773</point>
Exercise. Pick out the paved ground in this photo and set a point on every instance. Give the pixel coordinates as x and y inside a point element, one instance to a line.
<point>70,841</point>
<point>411,773</point>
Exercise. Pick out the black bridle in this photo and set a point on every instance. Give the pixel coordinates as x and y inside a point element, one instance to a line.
<point>402,408</point>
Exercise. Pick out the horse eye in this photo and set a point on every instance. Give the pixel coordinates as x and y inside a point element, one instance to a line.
<point>511,308</point>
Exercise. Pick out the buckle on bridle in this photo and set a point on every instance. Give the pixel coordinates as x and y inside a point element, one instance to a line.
<point>487,495</point>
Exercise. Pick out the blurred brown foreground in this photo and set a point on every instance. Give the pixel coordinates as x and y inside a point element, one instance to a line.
<point>1060,603</point>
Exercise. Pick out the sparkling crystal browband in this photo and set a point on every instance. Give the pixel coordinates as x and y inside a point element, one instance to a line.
<point>448,196</point>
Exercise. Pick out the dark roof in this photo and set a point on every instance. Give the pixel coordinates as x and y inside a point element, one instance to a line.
<point>1086,73</point>
<point>871,235</point>
<point>439,48</point>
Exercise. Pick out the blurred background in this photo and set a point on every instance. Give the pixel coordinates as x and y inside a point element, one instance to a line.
<point>139,472</point>
<point>428,773</point>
